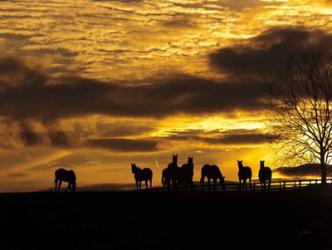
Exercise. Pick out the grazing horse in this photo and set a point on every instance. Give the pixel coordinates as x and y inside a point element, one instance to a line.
<point>185,174</point>
<point>66,176</point>
<point>212,172</point>
<point>244,174</point>
<point>264,175</point>
<point>140,175</point>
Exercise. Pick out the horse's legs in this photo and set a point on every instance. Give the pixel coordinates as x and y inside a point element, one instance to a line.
<point>56,185</point>
<point>59,186</point>
<point>146,184</point>
<point>269,185</point>
<point>240,184</point>
<point>250,187</point>
<point>209,184</point>
<point>140,185</point>
<point>202,182</point>
<point>136,185</point>
<point>150,183</point>
<point>264,186</point>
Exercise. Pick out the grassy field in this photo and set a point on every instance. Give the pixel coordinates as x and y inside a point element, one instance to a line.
<point>156,220</point>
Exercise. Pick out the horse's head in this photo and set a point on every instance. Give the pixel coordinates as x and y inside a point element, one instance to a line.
<point>133,167</point>
<point>240,164</point>
<point>175,159</point>
<point>262,164</point>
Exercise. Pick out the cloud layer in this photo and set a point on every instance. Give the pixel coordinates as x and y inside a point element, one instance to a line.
<point>266,54</point>
<point>39,97</point>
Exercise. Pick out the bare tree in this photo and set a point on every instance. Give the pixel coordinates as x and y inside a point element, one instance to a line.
<point>302,101</point>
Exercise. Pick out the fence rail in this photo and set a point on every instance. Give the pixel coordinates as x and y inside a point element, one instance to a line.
<point>276,185</point>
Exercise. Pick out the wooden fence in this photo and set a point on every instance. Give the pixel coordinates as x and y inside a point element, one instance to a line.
<point>276,185</point>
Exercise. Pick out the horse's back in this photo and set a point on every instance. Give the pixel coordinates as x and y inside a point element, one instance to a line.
<point>60,172</point>
<point>216,170</point>
<point>211,171</point>
<point>245,173</point>
<point>206,169</point>
<point>65,175</point>
<point>147,172</point>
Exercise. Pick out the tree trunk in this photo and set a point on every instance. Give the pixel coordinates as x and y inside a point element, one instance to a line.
<point>323,171</point>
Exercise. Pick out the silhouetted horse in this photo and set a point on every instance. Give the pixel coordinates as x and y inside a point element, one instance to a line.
<point>264,175</point>
<point>172,172</point>
<point>140,175</point>
<point>66,176</point>
<point>212,172</point>
<point>166,179</point>
<point>185,174</point>
<point>244,174</point>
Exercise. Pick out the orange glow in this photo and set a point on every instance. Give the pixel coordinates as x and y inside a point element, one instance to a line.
<point>130,43</point>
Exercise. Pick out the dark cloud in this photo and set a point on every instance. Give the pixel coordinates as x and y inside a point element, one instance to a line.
<point>14,72</point>
<point>32,133</point>
<point>267,53</point>
<point>49,99</point>
<point>121,1</point>
<point>237,136</point>
<point>248,138</point>
<point>60,139</point>
<point>28,136</point>
<point>303,170</point>
<point>113,129</point>
<point>123,145</point>
<point>243,4</point>
<point>180,21</point>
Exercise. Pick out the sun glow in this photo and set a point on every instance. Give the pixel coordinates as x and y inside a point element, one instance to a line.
<point>137,43</point>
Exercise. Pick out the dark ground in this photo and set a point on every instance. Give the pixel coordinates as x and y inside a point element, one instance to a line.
<point>156,220</point>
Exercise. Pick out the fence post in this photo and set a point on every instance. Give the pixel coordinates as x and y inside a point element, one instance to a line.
<point>284,185</point>
<point>300,183</point>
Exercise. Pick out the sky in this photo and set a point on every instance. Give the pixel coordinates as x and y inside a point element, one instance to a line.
<point>94,85</point>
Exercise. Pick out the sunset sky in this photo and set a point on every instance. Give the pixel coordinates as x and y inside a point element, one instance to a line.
<point>93,85</point>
